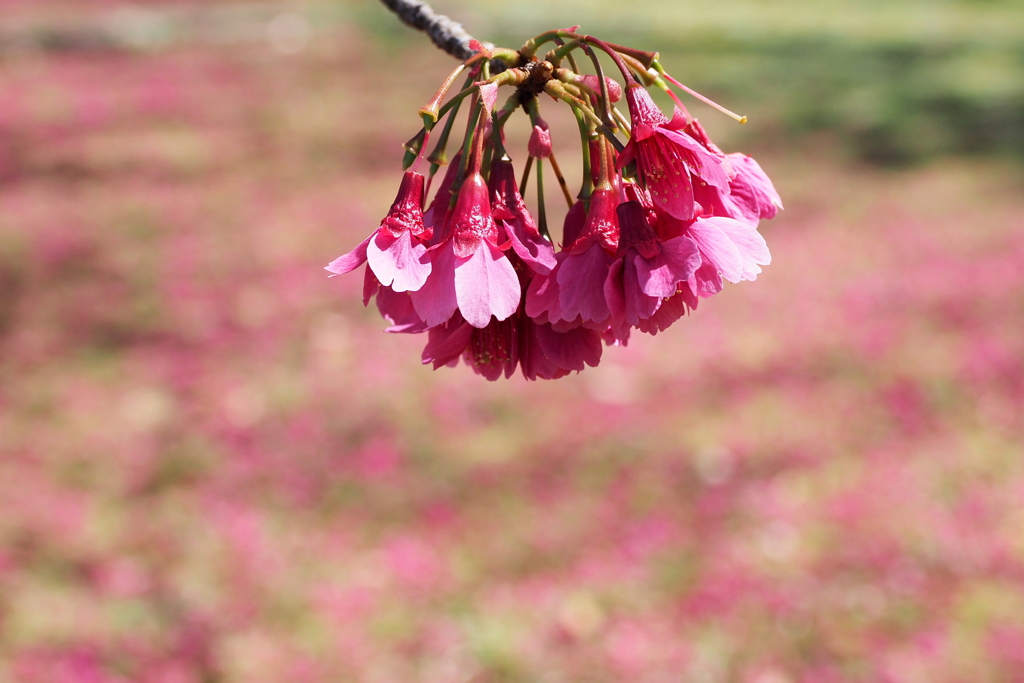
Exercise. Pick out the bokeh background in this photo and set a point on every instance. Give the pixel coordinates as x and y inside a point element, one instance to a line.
<point>214,467</point>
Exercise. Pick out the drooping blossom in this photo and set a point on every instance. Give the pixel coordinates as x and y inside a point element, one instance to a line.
<point>519,341</point>
<point>515,222</point>
<point>469,272</point>
<point>646,271</point>
<point>584,268</point>
<point>729,249</point>
<point>751,195</point>
<point>540,140</point>
<point>395,251</point>
<point>667,158</point>
<point>660,225</point>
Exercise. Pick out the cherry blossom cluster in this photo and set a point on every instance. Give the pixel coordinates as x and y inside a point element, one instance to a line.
<point>663,217</point>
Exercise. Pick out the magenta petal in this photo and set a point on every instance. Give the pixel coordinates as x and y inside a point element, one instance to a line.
<point>398,310</point>
<point>613,294</point>
<point>398,262</point>
<point>718,248</point>
<point>676,262</point>
<point>536,253</point>
<point>670,310</point>
<point>542,299</point>
<point>435,301</point>
<point>706,281</point>
<point>351,260</point>
<point>627,155</point>
<point>581,280</point>
<point>486,284</point>
<point>370,286</point>
<point>572,350</point>
<point>752,189</point>
<point>706,165</point>
<point>638,304</point>
<point>534,363</point>
<point>446,343</point>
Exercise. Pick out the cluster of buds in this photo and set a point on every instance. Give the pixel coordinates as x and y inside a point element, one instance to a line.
<point>662,218</point>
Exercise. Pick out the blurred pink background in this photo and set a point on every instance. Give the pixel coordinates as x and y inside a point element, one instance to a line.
<point>214,467</point>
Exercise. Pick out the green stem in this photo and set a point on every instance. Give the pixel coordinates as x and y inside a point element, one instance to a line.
<point>555,89</point>
<point>542,217</point>
<point>587,187</point>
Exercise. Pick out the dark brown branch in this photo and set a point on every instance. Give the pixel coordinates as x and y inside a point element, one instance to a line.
<point>445,33</point>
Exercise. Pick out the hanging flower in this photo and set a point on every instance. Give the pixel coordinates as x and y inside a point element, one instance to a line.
<point>469,272</point>
<point>396,250</point>
<point>667,158</point>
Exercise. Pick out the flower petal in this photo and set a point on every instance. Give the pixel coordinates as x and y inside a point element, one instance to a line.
<point>401,264</point>
<point>536,253</point>
<point>486,285</point>
<point>447,342</point>
<point>352,260</point>
<point>707,166</point>
<point>675,263</point>
<point>717,247</point>
<point>572,350</point>
<point>435,301</point>
<point>581,284</point>
<point>398,310</point>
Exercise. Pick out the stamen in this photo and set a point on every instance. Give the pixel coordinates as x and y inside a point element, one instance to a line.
<point>705,100</point>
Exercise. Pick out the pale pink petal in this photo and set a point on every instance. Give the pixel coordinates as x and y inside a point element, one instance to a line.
<point>435,301</point>
<point>751,245</point>
<point>399,263</point>
<point>351,260</point>
<point>488,96</point>
<point>667,177</point>
<point>675,263</point>
<point>592,82</point>
<point>717,247</point>
<point>581,284</point>
<point>486,284</point>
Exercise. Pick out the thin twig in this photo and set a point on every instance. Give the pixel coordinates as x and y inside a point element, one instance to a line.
<point>445,33</point>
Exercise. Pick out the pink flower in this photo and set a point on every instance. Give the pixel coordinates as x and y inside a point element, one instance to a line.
<point>751,190</point>
<point>667,157</point>
<point>540,140</point>
<point>584,269</point>
<point>729,248</point>
<point>469,272</point>
<point>750,195</point>
<point>495,350</point>
<point>645,271</point>
<point>396,250</point>
<point>510,213</point>
<point>434,216</point>
<point>592,83</point>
